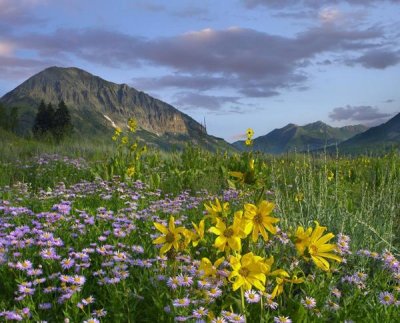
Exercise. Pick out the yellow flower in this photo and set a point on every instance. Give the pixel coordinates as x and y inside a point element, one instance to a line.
<point>133,147</point>
<point>248,142</point>
<point>249,133</point>
<point>229,237</point>
<point>217,209</point>
<point>171,235</point>
<point>198,233</point>
<point>281,279</point>
<point>208,269</point>
<point>247,271</point>
<point>132,124</point>
<point>258,219</point>
<point>246,177</point>
<point>302,239</point>
<point>124,140</point>
<point>299,197</point>
<point>117,131</point>
<point>330,175</point>
<point>319,249</point>
<point>130,171</point>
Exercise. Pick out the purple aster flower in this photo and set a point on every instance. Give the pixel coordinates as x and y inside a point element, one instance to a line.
<point>67,263</point>
<point>386,298</point>
<point>282,319</point>
<point>181,302</point>
<point>214,292</point>
<point>185,280</point>
<point>200,312</point>
<point>309,302</point>
<point>173,282</point>
<point>252,296</point>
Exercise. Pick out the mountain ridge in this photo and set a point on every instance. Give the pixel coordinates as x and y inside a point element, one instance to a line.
<point>93,102</point>
<point>309,137</point>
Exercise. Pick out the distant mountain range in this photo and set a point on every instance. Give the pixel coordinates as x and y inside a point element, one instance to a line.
<point>378,139</point>
<point>97,106</point>
<point>310,137</point>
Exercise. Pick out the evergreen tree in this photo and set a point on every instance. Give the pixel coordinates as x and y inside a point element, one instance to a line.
<point>13,119</point>
<point>43,120</point>
<point>3,116</point>
<point>62,125</point>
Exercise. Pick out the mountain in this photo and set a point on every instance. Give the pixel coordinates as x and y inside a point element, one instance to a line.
<point>301,138</point>
<point>97,106</point>
<point>376,139</point>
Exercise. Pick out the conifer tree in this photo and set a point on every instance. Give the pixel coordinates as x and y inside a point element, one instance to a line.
<point>41,122</point>
<point>13,119</point>
<point>62,125</point>
<point>3,116</point>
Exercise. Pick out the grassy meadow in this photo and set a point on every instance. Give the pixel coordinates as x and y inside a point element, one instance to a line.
<point>125,233</point>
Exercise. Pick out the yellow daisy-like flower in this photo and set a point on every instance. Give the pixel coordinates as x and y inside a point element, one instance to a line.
<point>247,271</point>
<point>171,235</point>
<point>217,209</point>
<point>330,175</point>
<point>124,140</point>
<point>249,133</point>
<point>229,237</point>
<point>302,239</point>
<point>282,278</point>
<point>208,269</point>
<point>130,171</point>
<point>299,197</point>
<point>258,219</point>
<point>132,124</point>
<point>319,249</point>
<point>198,233</point>
<point>248,142</point>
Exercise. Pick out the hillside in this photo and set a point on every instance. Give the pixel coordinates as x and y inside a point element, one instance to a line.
<point>97,105</point>
<point>302,138</point>
<point>378,139</point>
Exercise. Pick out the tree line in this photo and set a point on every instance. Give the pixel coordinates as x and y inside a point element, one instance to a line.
<point>8,119</point>
<point>51,121</point>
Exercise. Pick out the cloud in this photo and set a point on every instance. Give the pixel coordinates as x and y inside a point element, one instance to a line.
<point>358,113</point>
<point>19,12</point>
<point>379,59</point>
<point>181,81</point>
<point>280,4</point>
<point>6,48</point>
<point>262,66</point>
<point>14,68</point>
<point>149,6</point>
<point>193,101</point>
<point>191,12</point>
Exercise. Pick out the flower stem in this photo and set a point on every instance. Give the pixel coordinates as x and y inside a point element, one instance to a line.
<point>242,296</point>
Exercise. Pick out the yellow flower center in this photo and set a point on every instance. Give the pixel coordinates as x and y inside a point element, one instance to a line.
<point>228,233</point>
<point>170,237</point>
<point>244,272</point>
<point>313,249</point>
<point>258,218</point>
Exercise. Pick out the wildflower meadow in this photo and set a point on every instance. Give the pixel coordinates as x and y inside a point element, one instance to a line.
<point>132,234</point>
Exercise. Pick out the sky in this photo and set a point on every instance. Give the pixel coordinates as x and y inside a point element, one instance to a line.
<point>233,63</point>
